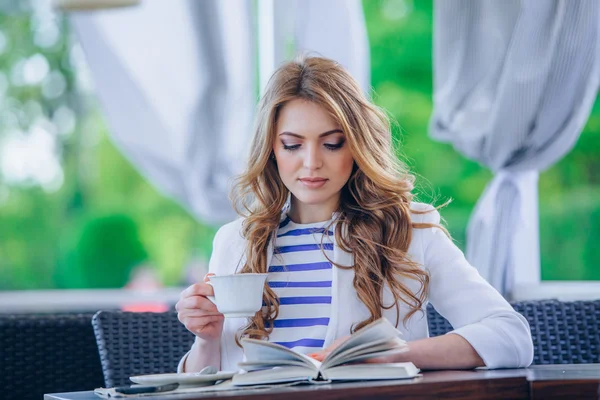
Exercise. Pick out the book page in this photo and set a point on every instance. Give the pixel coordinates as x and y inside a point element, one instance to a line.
<point>364,351</point>
<point>371,372</point>
<point>374,347</point>
<point>262,364</point>
<point>376,332</point>
<point>261,352</point>
<point>275,375</point>
<point>365,356</point>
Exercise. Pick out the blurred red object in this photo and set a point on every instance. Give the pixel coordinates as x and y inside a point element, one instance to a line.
<point>146,307</point>
<point>144,278</point>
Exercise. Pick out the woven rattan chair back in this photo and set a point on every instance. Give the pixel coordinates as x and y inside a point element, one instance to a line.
<point>47,354</point>
<point>562,332</point>
<point>139,343</point>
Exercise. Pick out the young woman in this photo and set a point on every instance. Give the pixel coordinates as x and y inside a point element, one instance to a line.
<point>327,212</point>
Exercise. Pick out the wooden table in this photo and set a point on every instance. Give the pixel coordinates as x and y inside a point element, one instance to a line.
<point>538,382</point>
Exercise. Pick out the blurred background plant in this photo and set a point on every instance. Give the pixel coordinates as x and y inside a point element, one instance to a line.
<point>75,214</point>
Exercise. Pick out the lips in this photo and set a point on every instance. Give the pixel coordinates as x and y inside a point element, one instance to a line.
<point>312,179</point>
<point>313,183</point>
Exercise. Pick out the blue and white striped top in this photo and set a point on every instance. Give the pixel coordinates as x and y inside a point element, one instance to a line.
<point>301,276</point>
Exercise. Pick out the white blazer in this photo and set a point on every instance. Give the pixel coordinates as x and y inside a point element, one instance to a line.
<point>477,312</point>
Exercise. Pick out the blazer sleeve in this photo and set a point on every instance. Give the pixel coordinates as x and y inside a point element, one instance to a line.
<point>477,312</point>
<point>216,264</point>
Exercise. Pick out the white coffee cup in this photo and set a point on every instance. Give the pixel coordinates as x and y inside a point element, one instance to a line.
<point>237,295</point>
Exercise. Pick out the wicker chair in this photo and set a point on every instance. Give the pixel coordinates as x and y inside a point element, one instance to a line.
<point>139,343</point>
<point>47,354</point>
<point>438,325</point>
<point>562,332</point>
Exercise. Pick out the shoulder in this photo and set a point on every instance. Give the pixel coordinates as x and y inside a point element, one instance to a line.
<point>228,248</point>
<point>424,213</point>
<point>229,237</point>
<point>427,233</point>
<point>229,234</point>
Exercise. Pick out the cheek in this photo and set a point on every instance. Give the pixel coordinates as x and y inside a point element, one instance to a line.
<point>345,165</point>
<point>286,164</point>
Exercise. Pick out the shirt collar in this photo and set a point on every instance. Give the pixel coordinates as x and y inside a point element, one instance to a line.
<point>288,204</point>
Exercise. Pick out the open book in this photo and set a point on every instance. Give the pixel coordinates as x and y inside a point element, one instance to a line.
<point>272,363</point>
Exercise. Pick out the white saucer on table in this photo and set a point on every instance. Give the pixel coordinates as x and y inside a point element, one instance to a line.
<point>186,378</point>
<point>243,314</point>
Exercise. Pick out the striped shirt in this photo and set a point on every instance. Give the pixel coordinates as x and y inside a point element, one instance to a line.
<point>301,276</point>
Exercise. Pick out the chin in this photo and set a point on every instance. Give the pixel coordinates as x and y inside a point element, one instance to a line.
<point>312,200</point>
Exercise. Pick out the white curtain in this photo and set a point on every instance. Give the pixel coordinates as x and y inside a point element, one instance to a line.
<point>177,82</point>
<point>514,83</point>
<point>333,28</point>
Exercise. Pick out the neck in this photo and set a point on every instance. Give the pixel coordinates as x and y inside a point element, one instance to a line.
<point>310,213</point>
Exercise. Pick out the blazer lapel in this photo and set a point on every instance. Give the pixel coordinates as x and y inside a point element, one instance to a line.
<point>346,308</point>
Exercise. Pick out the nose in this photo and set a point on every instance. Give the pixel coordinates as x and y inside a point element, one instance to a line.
<point>313,158</point>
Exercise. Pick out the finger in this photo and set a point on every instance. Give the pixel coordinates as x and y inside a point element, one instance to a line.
<point>206,277</point>
<point>196,303</point>
<point>319,355</point>
<point>201,321</point>
<point>196,314</point>
<point>337,342</point>
<point>199,324</point>
<point>197,289</point>
<point>204,319</point>
<point>378,360</point>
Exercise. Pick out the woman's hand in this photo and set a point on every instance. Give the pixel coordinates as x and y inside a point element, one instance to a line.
<point>198,314</point>
<point>320,355</point>
<point>449,351</point>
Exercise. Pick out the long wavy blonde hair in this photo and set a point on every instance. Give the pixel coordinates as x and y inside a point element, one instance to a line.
<point>374,211</point>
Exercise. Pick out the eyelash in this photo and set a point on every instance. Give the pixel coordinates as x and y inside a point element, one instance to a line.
<point>330,147</point>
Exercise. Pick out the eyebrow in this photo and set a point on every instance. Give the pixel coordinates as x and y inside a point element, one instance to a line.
<point>331,132</point>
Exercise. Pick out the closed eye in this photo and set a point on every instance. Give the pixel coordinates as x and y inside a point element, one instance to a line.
<point>291,147</point>
<point>328,146</point>
<point>333,147</point>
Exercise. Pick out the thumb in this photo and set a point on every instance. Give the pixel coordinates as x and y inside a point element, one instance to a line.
<point>206,277</point>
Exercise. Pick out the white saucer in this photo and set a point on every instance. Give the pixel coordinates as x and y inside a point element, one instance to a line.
<point>187,378</point>
<point>238,314</point>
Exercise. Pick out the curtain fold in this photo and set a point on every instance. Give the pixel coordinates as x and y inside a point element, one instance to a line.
<point>514,83</point>
<point>334,28</point>
<point>176,83</point>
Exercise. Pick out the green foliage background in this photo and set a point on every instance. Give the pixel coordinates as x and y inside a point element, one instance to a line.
<point>105,218</point>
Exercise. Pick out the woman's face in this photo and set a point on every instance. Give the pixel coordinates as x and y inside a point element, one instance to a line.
<point>312,155</point>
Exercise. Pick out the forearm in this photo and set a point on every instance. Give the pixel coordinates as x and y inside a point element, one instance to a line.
<point>442,352</point>
<point>202,354</point>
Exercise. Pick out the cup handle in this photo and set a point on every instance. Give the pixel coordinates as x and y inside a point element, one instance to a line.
<point>211,298</point>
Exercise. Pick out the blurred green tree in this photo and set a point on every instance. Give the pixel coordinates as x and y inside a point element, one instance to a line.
<point>64,233</point>
<point>108,248</point>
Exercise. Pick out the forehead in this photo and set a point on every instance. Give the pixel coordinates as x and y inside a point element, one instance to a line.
<point>305,117</point>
